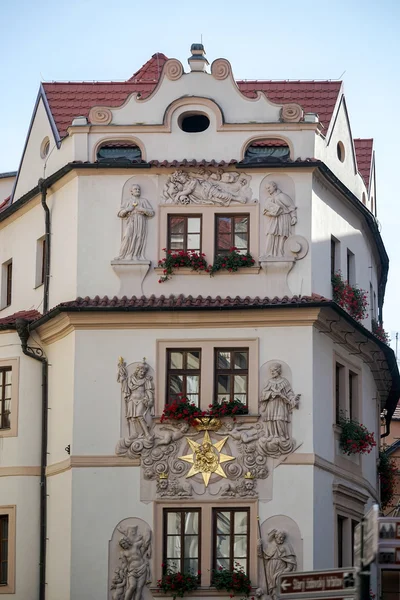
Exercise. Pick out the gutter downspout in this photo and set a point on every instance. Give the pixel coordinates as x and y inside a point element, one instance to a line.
<point>22,327</point>
<point>42,185</point>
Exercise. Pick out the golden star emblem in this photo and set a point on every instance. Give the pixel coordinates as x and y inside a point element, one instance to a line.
<point>206,458</point>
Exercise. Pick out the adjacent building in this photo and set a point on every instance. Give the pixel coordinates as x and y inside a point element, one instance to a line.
<point>175,236</point>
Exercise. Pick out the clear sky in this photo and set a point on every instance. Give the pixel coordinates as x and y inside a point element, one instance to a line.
<point>321,39</point>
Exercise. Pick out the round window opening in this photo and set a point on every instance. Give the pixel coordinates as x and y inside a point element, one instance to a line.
<point>340,151</point>
<point>45,147</point>
<point>194,122</point>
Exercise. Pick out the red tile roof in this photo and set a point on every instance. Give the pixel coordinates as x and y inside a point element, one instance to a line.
<point>192,163</point>
<point>189,302</point>
<point>9,321</point>
<point>363,150</point>
<point>69,100</point>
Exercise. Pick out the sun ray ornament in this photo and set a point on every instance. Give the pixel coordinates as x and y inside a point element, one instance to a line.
<point>206,458</point>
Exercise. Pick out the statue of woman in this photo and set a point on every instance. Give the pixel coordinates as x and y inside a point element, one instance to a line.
<point>279,557</point>
<point>134,239</point>
<point>135,561</point>
<point>281,217</point>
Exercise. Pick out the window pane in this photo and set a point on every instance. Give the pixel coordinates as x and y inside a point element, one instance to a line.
<point>191,522</point>
<point>223,562</point>
<point>224,360</point>
<point>241,241</point>
<point>8,377</point>
<point>240,546</point>
<point>173,523</point>
<point>175,385</point>
<point>176,242</point>
<point>3,573</point>
<point>223,384</point>
<point>191,565</point>
<point>177,224</point>
<point>175,565</point>
<point>224,242</point>
<point>223,545</point>
<point>242,562</point>
<point>194,224</point>
<point>193,241</point>
<point>192,384</point>
<point>224,225</point>
<point>191,546</point>
<point>241,398</point>
<point>240,360</point>
<point>173,546</point>
<point>240,384</point>
<point>4,550</point>
<point>193,399</point>
<point>193,360</point>
<point>223,522</point>
<point>241,522</point>
<point>176,360</point>
<point>241,224</point>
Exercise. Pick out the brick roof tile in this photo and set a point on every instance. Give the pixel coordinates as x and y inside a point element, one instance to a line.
<point>364,153</point>
<point>9,321</point>
<point>68,100</point>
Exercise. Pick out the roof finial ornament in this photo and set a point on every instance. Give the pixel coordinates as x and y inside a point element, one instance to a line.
<point>197,61</point>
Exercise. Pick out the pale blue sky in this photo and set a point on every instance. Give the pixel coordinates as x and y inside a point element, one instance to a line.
<point>103,40</point>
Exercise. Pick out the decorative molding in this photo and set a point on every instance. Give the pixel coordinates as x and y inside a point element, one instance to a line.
<point>173,69</point>
<point>291,113</point>
<point>314,460</point>
<point>100,115</point>
<point>90,461</point>
<point>19,471</point>
<point>221,69</point>
<point>65,323</point>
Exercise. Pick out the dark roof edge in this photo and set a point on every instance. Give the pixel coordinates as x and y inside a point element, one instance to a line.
<point>8,174</point>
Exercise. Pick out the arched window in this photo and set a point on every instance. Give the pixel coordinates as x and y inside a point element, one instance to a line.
<point>268,150</point>
<point>111,152</point>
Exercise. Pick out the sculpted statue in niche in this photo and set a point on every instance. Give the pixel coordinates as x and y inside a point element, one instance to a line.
<point>277,403</point>
<point>133,572</point>
<point>207,187</point>
<point>279,558</point>
<point>138,392</point>
<point>136,214</point>
<point>280,213</point>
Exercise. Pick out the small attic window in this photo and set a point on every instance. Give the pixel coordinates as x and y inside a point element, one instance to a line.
<point>119,152</point>
<point>193,122</point>
<point>45,147</point>
<point>268,150</point>
<point>340,151</point>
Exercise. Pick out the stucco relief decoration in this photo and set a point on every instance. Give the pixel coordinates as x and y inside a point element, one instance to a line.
<point>136,214</point>
<point>130,555</point>
<point>246,488</point>
<point>221,69</point>
<point>99,115</point>
<point>173,69</point>
<point>279,558</point>
<point>167,488</point>
<point>291,113</point>
<point>278,401</point>
<point>208,187</point>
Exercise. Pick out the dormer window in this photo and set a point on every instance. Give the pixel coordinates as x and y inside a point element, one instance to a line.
<point>119,152</point>
<point>268,150</point>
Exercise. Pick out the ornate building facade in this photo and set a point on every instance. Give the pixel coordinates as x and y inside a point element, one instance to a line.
<point>171,237</point>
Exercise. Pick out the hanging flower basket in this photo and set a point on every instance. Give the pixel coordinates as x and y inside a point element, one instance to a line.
<point>236,582</point>
<point>350,297</point>
<point>380,333</point>
<point>387,469</point>
<point>176,584</point>
<point>355,437</point>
